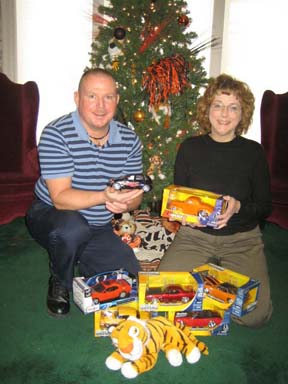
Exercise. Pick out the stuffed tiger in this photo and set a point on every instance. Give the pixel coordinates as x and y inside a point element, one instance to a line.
<point>139,342</point>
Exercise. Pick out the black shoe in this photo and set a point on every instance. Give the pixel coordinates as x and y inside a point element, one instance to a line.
<point>58,304</point>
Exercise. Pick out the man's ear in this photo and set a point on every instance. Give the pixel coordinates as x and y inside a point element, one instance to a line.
<point>76,98</point>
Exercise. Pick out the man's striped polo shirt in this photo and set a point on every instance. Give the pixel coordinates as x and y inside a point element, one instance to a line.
<point>66,150</point>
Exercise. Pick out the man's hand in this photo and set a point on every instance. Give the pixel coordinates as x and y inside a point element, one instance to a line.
<point>66,197</point>
<point>122,201</point>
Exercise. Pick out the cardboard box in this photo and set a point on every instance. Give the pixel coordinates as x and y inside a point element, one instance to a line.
<point>234,290</point>
<point>92,294</point>
<point>195,204</point>
<point>169,291</point>
<point>105,320</point>
<point>209,322</point>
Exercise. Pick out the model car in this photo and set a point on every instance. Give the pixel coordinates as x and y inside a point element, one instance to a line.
<point>199,319</point>
<point>108,290</point>
<point>193,205</point>
<point>113,317</point>
<point>132,182</point>
<point>170,294</point>
<point>223,292</point>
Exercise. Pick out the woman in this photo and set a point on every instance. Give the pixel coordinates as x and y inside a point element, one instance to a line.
<point>224,162</point>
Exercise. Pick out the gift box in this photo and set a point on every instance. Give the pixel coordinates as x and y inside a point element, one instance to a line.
<point>196,205</point>
<point>104,290</point>
<point>224,288</point>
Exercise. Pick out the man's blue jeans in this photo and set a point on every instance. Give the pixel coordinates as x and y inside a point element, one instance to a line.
<point>70,240</point>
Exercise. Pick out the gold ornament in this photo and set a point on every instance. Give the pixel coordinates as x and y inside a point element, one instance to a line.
<point>156,163</point>
<point>115,65</point>
<point>139,116</point>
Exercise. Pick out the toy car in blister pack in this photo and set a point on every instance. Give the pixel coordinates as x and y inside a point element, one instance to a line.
<point>199,319</point>
<point>228,289</point>
<point>104,290</point>
<point>105,320</point>
<point>169,291</point>
<point>195,205</point>
<point>173,293</point>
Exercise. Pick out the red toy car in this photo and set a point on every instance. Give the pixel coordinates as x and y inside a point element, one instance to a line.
<point>170,294</point>
<point>199,319</point>
<point>107,290</point>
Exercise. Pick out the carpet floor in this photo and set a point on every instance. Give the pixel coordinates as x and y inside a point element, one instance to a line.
<point>35,348</point>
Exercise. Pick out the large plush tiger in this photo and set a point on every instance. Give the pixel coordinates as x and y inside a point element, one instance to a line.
<point>139,342</point>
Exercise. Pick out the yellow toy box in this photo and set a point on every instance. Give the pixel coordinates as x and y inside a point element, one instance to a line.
<point>169,291</point>
<point>195,204</point>
<point>207,322</point>
<point>224,288</point>
<point>105,320</point>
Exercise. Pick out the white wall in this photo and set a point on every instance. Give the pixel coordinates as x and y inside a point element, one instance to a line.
<point>255,48</point>
<point>201,13</point>
<point>53,41</point>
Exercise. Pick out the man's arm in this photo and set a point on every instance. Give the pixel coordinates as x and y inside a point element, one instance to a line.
<point>64,196</point>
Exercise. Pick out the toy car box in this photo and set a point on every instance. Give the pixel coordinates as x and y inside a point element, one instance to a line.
<point>195,204</point>
<point>169,291</point>
<point>104,290</point>
<point>209,322</point>
<point>105,320</point>
<point>228,289</point>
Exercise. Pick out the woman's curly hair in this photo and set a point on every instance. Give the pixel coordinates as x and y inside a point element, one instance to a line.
<point>228,85</point>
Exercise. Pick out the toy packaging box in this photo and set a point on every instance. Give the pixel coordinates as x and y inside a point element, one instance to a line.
<point>105,319</point>
<point>207,322</point>
<point>195,204</point>
<point>225,289</point>
<point>169,291</point>
<point>104,290</point>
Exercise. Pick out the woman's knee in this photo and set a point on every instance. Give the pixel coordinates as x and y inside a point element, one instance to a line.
<point>257,318</point>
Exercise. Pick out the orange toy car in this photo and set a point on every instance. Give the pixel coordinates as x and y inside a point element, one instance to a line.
<point>107,290</point>
<point>193,205</point>
<point>223,292</point>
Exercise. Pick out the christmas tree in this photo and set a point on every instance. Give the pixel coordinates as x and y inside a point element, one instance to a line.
<point>150,51</point>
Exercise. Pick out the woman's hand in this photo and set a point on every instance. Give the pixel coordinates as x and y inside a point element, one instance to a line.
<point>233,206</point>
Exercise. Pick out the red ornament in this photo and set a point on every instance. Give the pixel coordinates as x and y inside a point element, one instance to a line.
<point>150,146</point>
<point>183,20</point>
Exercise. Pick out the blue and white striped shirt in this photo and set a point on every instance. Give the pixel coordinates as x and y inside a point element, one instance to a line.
<point>66,150</point>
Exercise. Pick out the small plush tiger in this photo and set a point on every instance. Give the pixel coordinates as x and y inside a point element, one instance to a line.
<point>139,342</point>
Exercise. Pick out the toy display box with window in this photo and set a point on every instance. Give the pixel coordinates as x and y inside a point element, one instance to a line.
<point>225,289</point>
<point>207,322</point>
<point>194,204</point>
<point>169,291</point>
<point>105,320</point>
<point>104,290</point>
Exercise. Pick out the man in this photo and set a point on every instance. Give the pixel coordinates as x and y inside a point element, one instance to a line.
<point>71,216</point>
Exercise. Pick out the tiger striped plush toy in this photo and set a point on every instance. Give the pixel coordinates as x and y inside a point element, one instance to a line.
<point>139,342</point>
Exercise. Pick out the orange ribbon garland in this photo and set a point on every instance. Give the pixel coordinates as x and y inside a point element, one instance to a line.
<point>166,77</point>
